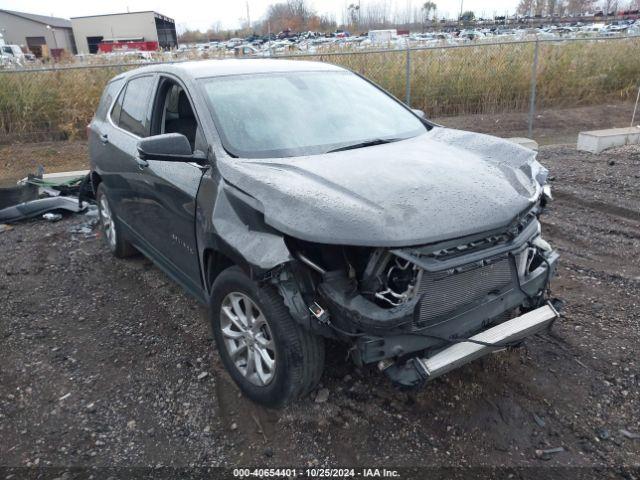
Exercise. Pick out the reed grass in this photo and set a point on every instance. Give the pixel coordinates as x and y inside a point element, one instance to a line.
<point>46,105</point>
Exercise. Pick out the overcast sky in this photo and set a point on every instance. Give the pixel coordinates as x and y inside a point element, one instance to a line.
<point>203,14</point>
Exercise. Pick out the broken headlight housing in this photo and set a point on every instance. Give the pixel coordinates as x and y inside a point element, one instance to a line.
<point>398,283</point>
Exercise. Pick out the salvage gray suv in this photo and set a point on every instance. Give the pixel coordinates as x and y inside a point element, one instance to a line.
<point>300,202</point>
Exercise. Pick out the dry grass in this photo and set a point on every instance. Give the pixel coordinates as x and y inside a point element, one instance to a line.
<point>447,81</point>
<point>50,105</point>
<point>497,78</point>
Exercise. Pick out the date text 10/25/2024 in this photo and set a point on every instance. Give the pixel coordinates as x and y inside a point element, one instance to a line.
<point>315,473</point>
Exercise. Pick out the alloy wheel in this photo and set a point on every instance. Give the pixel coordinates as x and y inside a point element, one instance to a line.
<point>248,338</point>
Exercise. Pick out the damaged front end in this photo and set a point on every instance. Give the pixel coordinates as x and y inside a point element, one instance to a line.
<point>400,307</point>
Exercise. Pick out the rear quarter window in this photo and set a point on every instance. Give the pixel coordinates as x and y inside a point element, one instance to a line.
<point>110,92</point>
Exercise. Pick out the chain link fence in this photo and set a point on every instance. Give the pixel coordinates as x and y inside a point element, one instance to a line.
<point>499,88</point>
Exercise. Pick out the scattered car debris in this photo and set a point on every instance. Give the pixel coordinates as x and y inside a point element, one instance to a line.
<point>37,207</point>
<point>546,453</point>
<point>630,435</point>
<point>52,217</point>
<point>4,227</point>
<point>56,187</point>
<point>539,421</point>
<point>202,375</point>
<point>81,230</point>
<point>14,195</point>
<point>34,196</point>
<point>86,228</point>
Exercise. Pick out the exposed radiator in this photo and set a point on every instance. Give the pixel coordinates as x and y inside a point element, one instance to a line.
<point>443,293</point>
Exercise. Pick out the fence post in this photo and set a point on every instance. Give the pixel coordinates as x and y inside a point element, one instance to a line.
<point>407,86</point>
<point>534,81</point>
<point>635,107</point>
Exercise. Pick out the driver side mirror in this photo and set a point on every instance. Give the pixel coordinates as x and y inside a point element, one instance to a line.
<point>419,113</point>
<point>168,147</point>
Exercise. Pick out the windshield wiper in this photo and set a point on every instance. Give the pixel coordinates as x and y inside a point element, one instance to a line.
<point>368,143</point>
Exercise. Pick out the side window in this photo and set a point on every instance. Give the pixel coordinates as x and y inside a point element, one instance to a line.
<point>173,112</point>
<point>108,95</point>
<point>117,107</point>
<point>135,106</point>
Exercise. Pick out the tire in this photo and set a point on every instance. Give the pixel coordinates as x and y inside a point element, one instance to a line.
<point>111,230</point>
<point>297,353</point>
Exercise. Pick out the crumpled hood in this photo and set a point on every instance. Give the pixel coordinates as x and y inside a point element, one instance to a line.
<point>440,185</point>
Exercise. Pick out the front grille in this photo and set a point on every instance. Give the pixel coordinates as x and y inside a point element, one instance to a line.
<point>447,250</point>
<point>443,293</point>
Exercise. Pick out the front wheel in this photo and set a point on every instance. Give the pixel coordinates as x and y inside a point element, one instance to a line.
<point>270,357</point>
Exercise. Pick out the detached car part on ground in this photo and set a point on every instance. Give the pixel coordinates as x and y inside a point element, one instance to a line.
<point>301,202</point>
<point>22,201</point>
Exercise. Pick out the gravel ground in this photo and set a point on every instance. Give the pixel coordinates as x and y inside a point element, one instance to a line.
<point>107,362</point>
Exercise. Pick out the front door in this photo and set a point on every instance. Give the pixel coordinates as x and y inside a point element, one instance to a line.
<point>167,202</point>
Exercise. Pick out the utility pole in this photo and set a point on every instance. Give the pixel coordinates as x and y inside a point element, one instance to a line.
<point>53,34</point>
<point>460,17</point>
<point>248,16</point>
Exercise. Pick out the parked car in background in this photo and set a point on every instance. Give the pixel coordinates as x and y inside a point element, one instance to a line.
<point>296,219</point>
<point>13,54</point>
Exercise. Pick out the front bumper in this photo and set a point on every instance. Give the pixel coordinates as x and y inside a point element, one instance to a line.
<point>462,324</point>
<point>419,370</point>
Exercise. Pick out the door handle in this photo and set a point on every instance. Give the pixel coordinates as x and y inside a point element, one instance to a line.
<point>142,164</point>
<point>104,138</point>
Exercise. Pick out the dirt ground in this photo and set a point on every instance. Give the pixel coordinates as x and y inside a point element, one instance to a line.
<point>552,126</point>
<point>103,362</point>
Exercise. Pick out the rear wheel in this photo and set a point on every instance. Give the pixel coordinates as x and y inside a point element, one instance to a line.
<point>267,353</point>
<point>110,227</point>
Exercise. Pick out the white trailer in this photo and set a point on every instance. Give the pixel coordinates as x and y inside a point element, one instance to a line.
<point>381,37</point>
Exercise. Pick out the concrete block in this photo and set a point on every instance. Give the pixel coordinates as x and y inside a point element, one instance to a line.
<point>596,141</point>
<point>525,142</point>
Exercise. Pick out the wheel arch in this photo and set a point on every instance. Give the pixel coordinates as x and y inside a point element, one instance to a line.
<point>214,263</point>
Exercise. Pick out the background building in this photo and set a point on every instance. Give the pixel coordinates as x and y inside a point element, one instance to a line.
<point>39,34</point>
<point>121,28</point>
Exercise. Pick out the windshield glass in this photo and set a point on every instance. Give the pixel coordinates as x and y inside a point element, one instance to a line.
<point>304,113</point>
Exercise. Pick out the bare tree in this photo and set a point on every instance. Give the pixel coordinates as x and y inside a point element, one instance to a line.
<point>525,7</point>
<point>295,15</point>
<point>577,7</point>
<point>354,14</point>
<point>428,8</point>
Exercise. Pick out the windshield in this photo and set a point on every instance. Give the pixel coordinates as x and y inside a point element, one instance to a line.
<point>304,113</point>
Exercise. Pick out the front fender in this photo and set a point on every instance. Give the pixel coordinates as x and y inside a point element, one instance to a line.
<point>231,223</point>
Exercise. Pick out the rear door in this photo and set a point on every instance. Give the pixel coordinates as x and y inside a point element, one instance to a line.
<point>100,126</point>
<point>128,122</point>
